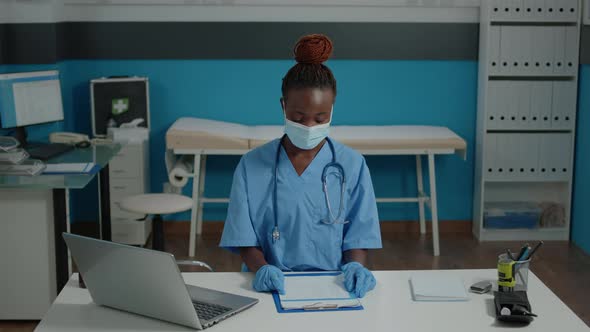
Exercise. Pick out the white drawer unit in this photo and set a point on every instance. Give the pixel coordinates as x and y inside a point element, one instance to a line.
<point>125,163</point>
<point>128,176</point>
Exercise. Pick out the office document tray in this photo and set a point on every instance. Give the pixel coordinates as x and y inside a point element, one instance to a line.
<point>29,167</point>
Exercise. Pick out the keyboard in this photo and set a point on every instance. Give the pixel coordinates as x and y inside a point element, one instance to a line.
<point>208,311</point>
<point>48,151</point>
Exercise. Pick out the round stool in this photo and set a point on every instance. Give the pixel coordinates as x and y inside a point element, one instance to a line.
<point>157,205</point>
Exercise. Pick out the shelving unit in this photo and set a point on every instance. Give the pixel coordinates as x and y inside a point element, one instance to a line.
<point>528,79</point>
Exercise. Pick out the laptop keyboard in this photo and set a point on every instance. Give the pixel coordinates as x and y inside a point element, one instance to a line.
<point>207,311</point>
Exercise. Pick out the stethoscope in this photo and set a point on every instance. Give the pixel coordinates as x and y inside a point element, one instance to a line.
<point>331,220</point>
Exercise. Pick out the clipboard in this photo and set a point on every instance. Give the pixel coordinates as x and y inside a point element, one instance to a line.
<point>319,308</point>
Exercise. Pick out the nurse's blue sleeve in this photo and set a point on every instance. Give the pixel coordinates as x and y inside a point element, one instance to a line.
<point>362,232</point>
<point>238,230</point>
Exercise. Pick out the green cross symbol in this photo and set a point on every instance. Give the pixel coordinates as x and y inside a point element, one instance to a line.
<point>120,106</point>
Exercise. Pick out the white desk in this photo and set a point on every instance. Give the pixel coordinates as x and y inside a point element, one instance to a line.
<point>34,211</point>
<point>388,308</point>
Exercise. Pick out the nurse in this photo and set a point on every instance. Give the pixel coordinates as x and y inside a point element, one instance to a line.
<point>280,218</point>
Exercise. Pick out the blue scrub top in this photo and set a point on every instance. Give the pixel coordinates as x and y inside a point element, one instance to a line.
<point>306,243</point>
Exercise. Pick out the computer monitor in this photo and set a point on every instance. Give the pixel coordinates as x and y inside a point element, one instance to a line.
<point>28,99</point>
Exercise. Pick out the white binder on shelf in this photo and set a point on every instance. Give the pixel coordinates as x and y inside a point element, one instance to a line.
<point>498,10</point>
<point>515,13</point>
<point>563,106</point>
<point>571,49</point>
<point>527,50</point>
<point>521,149</point>
<point>512,89</point>
<point>503,105</point>
<point>502,156</point>
<point>559,40</point>
<point>558,10</point>
<point>506,50</point>
<point>492,105</point>
<point>517,50</point>
<point>554,156</point>
<point>564,145</point>
<point>571,10</point>
<point>541,104</point>
<point>531,156</point>
<point>528,8</point>
<point>536,56</point>
<point>490,160</point>
<point>523,89</point>
<point>511,149</point>
<point>494,50</point>
<point>567,10</point>
<point>550,10</point>
<point>538,10</point>
<point>546,51</point>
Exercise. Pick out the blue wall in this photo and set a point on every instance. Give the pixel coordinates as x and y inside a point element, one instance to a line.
<point>581,208</point>
<point>247,91</point>
<point>369,92</point>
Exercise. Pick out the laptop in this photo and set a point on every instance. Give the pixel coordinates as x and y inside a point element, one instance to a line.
<point>148,283</point>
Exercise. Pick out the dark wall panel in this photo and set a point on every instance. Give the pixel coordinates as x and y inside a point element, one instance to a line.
<point>51,42</point>
<point>29,43</point>
<point>585,45</point>
<point>2,43</point>
<point>222,40</point>
<point>46,43</point>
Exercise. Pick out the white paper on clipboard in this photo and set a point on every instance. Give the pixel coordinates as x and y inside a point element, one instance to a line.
<point>316,292</point>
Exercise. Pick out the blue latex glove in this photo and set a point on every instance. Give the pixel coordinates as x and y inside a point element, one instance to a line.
<point>357,279</point>
<point>269,278</point>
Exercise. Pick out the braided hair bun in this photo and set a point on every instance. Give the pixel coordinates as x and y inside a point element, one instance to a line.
<point>313,49</point>
<point>309,71</point>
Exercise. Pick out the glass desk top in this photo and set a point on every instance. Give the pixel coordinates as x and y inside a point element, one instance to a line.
<point>100,155</point>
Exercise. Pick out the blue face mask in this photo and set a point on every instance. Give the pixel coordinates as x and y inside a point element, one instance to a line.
<point>304,137</point>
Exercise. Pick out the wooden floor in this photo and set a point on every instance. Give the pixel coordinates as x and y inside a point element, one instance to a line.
<point>563,267</point>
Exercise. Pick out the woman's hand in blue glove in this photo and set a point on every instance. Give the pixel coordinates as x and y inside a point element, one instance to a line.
<point>357,279</point>
<point>269,278</point>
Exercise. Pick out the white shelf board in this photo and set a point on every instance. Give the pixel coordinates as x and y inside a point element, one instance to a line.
<point>565,181</point>
<point>519,234</point>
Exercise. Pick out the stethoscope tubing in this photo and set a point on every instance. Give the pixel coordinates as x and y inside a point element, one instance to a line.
<point>331,218</point>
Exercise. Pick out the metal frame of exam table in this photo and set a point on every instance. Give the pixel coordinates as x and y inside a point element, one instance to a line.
<point>422,199</point>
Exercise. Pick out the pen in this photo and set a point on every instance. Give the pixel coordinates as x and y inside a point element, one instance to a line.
<point>522,250</point>
<point>535,249</point>
<point>510,254</point>
<point>522,310</point>
<point>524,254</point>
